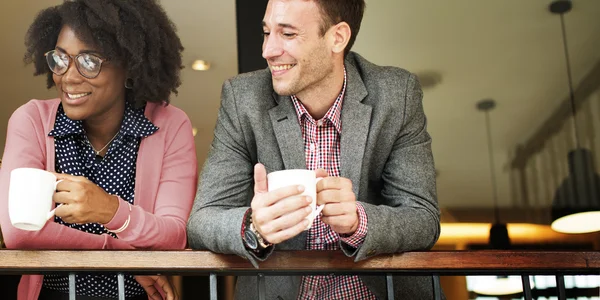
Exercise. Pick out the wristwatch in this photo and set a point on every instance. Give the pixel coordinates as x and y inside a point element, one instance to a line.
<point>252,238</point>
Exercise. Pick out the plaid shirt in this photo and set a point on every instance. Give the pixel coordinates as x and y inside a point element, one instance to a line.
<point>322,149</point>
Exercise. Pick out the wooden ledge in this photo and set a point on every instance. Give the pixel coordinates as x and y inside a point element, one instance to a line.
<point>292,262</point>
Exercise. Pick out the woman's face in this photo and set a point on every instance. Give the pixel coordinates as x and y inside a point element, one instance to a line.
<point>84,98</point>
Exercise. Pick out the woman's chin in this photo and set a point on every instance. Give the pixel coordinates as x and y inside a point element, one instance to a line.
<point>75,114</point>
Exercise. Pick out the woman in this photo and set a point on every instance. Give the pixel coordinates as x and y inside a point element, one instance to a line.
<point>127,159</point>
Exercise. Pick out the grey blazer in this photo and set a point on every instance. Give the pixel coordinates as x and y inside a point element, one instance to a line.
<point>385,151</point>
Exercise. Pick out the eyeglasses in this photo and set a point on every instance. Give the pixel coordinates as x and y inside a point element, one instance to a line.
<point>88,64</point>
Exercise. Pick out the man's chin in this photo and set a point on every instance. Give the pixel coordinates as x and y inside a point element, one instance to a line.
<point>282,89</point>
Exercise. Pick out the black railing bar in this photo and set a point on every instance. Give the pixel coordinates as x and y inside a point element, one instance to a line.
<point>526,287</point>
<point>396,272</point>
<point>390,286</point>
<point>437,287</point>
<point>262,287</point>
<point>560,285</point>
<point>72,289</point>
<point>121,284</point>
<point>213,286</point>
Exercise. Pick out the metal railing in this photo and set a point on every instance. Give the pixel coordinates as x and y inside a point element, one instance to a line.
<point>430,263</point>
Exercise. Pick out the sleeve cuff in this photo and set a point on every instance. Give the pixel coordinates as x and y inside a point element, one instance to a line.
<point>358,237</point>
<point>244,225</point>
<point>120,216</point>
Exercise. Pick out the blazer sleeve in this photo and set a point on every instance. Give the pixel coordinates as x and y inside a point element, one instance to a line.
<point>409,217</point>
<point>164,229</point>
<point>25,148</point>
<point>226,186</point>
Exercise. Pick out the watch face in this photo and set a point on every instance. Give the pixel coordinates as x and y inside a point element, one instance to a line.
<point>250,239</point>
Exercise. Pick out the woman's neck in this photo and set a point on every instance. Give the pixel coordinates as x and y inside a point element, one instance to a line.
<point>102,129</point>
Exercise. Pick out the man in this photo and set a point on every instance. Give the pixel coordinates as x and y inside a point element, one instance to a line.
<point>321,107</point>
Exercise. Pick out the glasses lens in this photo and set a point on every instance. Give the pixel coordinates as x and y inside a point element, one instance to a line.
<point>89,65</point>
<point>57,61</point>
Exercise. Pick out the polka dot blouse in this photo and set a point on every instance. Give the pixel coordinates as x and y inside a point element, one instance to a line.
<point>115,173</point>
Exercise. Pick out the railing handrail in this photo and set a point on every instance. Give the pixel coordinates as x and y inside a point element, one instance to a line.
<point>300,262</point>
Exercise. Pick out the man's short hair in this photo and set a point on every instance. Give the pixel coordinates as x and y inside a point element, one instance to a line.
<point>336,11</point>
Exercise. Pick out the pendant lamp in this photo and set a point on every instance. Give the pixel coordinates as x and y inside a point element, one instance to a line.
<point>499,238</point>
<point>576,203</point>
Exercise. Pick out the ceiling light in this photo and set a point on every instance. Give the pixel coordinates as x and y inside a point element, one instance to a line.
<point>429,79</point>
<point>499,238</point>
<point>576,204</point>
<point>194,131</point>
<point>584,222</point>
<point>499,285</point>
<point>200,65</point>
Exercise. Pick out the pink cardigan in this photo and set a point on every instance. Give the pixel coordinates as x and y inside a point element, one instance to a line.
<point>166,177</point>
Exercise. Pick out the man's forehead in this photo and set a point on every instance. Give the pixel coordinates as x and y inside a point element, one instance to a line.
<point>290,12</point>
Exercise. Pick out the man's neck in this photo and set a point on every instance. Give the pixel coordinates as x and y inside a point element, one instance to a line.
<point>320,98</point>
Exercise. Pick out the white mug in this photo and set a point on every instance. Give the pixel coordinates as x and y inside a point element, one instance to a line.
<point>30,198</point>
<point>306,178</point>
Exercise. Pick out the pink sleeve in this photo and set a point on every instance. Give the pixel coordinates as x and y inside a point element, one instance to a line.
<point>165,228</point>
<point>26,147</point>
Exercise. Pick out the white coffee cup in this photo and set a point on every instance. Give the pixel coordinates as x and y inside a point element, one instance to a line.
<point>306,178</point>
<point>30,198</point>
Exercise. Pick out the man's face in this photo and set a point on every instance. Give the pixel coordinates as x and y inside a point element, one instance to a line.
<point>298,56</point>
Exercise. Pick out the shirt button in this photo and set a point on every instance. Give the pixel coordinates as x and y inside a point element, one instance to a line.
<point>312,147</point>
<point>318,240</point>
<point>320,123</point>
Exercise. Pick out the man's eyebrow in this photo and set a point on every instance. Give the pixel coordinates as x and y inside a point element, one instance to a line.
<point>282,25</point>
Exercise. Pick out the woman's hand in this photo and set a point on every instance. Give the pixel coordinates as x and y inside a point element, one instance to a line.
<point>149,282</point>
<point>83,201</point>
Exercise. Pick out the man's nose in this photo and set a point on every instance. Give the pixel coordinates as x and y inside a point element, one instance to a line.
<point>272,47</point>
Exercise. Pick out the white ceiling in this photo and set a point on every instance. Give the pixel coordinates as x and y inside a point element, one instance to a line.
<point>509,50</point>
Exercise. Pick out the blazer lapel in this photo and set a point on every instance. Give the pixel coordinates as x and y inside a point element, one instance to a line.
<point>289,137</point>
<point>288,133</point>
<point>356,117</point>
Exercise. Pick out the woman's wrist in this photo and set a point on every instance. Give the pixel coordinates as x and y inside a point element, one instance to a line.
<point>111,207</point>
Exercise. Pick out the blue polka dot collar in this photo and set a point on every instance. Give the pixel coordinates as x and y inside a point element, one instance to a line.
<point>134,123</point>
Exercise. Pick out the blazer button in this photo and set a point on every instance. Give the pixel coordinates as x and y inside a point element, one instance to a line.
<point>371,252</point>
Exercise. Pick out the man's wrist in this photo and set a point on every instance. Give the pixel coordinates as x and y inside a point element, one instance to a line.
<point>252,239</point>
<point>358,236</point>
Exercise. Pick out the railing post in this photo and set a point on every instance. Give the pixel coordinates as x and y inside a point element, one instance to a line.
<point>437,288</point>
<point>560,287</point>
<point>262,291</point>
<point>121,283</point>
<point>390,286</point>
<point>72,289</point>
<point>213,286</point>
<point>526,287</point>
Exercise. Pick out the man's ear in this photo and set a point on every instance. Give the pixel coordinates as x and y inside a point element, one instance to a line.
<point>340,34</point>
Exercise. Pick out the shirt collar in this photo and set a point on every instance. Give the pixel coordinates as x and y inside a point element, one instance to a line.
<point>134,123</point>
<point>333,114</point>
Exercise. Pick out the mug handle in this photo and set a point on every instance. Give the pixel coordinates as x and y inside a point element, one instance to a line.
<point>51,213</point>
<point>319,208</point>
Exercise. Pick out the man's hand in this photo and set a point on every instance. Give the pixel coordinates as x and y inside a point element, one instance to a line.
<point>149,282</point>
<point>83,201</point>
<point>340,203</point>
<point>278,215</point>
